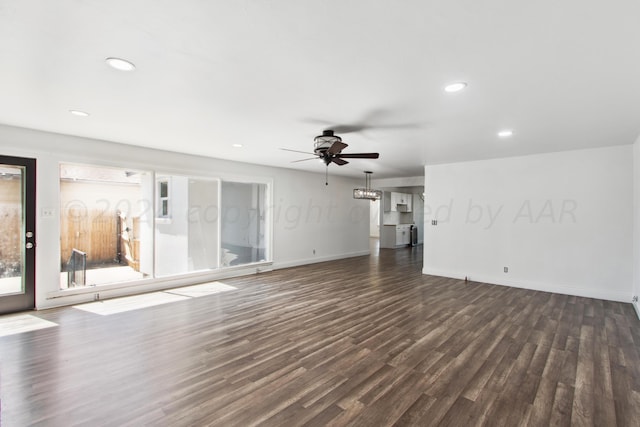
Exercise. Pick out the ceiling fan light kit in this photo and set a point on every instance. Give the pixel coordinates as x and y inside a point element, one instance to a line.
<point>325,141</point>
<point>367,192</point>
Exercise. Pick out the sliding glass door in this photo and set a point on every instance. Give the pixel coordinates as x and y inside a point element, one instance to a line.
<point>124,226</point>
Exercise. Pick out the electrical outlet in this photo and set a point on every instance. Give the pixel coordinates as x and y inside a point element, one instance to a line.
<point>635,299</point>
<point>314,251</point>
<point>48,212</point>
<point>96,297</point>
<point>506,269</point>
<point>434,222</point>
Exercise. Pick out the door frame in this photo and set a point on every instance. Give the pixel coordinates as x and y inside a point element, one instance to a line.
<point>25,300</point>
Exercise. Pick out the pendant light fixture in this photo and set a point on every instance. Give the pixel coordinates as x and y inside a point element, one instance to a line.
<point>367,192</point>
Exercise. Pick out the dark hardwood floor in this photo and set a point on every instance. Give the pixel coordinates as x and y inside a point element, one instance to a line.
<point>367,341</point>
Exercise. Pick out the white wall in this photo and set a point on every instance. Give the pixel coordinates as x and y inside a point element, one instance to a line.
<point>418,215</point>
<point>313,221</point>
<point>636,223</point>
<point>401,182</point>
<point>561,222</point>
<point>307,215</point>
<point>374,218</point>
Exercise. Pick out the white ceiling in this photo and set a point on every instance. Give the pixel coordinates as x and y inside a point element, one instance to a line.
<point>274,73</point>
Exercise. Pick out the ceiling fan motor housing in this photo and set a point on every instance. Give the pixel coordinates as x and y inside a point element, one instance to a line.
<point>322,143</point>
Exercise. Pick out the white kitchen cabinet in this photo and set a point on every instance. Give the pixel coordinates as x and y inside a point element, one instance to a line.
<point>403,235</point>
<point>403,202</point>
<point>408,201</point>
<point>398,202</point>
<point>393,236</point>
<point>386,201</point>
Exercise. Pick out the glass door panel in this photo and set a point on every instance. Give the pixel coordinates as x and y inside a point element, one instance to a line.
<point>17,240</point>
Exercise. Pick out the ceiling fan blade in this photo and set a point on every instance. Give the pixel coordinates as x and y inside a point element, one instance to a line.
<point>297,151</point>
<point>337,147</point>
<point>338,161</point>
<point>374,119</point>
<point>359,156</point>
<point>356,127</point>
<point>336,127</point>
<point>303,160</point>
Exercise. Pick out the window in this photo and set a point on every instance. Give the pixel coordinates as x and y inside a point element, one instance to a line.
<point>189,241</point>
<point>120,225</point>
<point>244,219</point>
<point>105,215</point>
<point>163,198</point>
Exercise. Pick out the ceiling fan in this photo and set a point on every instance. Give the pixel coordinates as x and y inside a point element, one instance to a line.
<point>328,148</point>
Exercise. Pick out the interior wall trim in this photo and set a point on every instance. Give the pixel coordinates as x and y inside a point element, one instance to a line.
<point>536,286</point>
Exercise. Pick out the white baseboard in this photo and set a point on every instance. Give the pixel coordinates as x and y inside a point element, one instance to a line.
<point>637,307</point>
<point>537,286</point>
<point>305,261</point>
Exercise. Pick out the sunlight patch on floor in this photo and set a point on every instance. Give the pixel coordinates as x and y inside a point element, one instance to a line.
<point>202,289</point>
<point>19,323</point>
<point>135,302</point>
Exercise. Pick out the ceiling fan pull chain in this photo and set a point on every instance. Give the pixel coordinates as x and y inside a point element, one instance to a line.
<point>326,175</point>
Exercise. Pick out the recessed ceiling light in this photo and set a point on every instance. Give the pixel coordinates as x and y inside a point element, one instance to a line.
<point>455,87</point>
<point>79,113</point>
<point>120,64</point>
<point>505,133</point>
<point>236,145</point>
